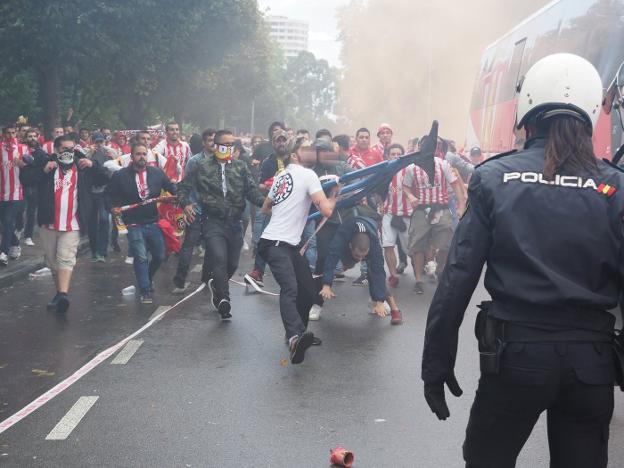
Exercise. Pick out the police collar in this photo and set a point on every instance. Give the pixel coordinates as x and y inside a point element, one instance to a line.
<point>538,141</point>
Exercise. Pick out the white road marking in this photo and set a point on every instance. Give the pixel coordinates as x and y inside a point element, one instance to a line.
<point>84,370</point>
<point>69,422</point>
<point>159,311</point>
<point>127,352</point>
<point>197,268</point>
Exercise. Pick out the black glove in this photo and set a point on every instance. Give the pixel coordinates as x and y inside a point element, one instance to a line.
<point>434,394</point>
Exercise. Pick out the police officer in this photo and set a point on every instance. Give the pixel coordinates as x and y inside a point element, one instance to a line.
<point>548,222</point>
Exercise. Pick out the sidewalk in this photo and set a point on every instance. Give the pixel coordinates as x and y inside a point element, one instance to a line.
<point>30,261</point>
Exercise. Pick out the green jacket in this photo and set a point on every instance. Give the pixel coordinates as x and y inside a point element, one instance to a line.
<point>205,179</point>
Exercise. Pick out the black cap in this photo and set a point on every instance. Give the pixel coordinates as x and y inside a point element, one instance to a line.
<point>475,151</point>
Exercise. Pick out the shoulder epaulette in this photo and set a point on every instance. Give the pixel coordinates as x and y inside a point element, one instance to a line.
<point>497,156</point>
<point>614,166</point>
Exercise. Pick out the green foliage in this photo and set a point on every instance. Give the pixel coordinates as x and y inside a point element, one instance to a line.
<point>129,64</point>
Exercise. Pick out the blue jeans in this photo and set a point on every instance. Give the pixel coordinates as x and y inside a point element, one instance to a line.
<point>99,226</point>
<point>144,239</point>
<point>260,223</point>
<point>9,210</point>
<point>308,233</point>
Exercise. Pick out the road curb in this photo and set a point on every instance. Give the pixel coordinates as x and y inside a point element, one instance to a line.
<point>12,274</point>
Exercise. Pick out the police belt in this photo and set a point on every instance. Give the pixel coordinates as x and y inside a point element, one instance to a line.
<point>509,332</point>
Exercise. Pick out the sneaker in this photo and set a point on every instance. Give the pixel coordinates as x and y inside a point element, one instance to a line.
<point>418,287</point>
<point>212,293</point>
<point>52,304</point>
<point>396,317</point>
<point>180,290</point>
<point>393,281</point>
<point>340,277</point>
<point>245,246</point>
<point>431,268</point>
<point>401,267</point>
<point>315,312</point>
<point>298,346</point>
<point>254,277</point>
<point>4,259</point>
<point>316,341</point>
<point>147,298</point>
<point>29,241</point>
<point>101,258</point>
<point>224,309</point>
<point>361,281</point>
<point>129,260</point>
<point>15,252</point>
<point>94,258</point>
<point>62,304</point>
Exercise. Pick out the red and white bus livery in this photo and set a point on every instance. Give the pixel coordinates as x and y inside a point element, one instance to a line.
<point>592,29</point>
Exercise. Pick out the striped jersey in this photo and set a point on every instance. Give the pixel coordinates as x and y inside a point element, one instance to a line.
<point>10,186</point>
<point>48,147</point>
<point>180,151</point>
<point>426,193</point>
<point>397,203</point>
<point>66,200</point>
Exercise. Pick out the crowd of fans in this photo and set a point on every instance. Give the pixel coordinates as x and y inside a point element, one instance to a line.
<point>81,192</point>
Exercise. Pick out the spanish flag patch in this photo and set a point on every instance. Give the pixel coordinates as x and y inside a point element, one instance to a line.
<point>606,189</point>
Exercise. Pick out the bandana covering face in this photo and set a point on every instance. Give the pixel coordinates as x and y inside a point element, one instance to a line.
<point>66,158</point>
<point>223,152</point>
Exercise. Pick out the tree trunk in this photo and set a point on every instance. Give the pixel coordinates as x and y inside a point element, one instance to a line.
<point>48,94</point>
<point>136,115</point>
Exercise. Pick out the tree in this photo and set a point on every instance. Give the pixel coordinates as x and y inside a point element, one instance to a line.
<point>126,61</point>
<point>311,89</point>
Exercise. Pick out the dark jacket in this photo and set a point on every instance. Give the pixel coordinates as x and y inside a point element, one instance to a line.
<point>33,174</point>
<point>122,190</point>
<point>339,250</point>
<point>554,252</point>
<point>205,179</point>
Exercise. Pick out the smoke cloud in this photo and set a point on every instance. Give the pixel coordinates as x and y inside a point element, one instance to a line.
<point>407,62</point>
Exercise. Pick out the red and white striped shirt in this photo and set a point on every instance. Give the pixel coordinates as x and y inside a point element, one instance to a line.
<point>397,203</point>
<point>370,156</point>
<point>48,147</point>
<point>418,181</point>
<point>10,186</point>
<point>356,162</point>
<point>181,151</point>
<point>66,200</point>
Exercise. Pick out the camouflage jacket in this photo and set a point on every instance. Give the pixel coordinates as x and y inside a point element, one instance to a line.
<point>205,179</point>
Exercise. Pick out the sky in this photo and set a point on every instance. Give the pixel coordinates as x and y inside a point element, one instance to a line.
<point>321,15</point>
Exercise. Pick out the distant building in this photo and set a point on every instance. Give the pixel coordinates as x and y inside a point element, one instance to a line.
<point>290,34</point>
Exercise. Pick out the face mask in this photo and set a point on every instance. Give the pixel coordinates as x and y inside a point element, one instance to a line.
<point>66,157</point>
<point>223,152</point>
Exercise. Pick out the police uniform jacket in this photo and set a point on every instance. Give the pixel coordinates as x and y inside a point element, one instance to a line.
<point>553,251</point>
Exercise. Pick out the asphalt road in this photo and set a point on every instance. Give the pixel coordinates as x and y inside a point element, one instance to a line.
<point>199,392</point>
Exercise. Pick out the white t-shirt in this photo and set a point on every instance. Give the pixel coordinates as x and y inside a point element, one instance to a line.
<point>290,192</point>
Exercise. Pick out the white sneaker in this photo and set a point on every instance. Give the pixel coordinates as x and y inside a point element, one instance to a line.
<point>4,259</point>
<point>177,290</point>
<point>129,260</point>
<point>245,246</point>
<point>315,312</point>
<point>15,252</point>
<point>29,241</point>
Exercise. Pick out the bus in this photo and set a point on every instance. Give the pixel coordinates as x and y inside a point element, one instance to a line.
<point>593,29</point>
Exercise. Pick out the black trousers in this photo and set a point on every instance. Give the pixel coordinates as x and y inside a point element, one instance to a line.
<point>192,235</point>
<point>224,241</point>
<point>298,289</point>
<point>572,382</point>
